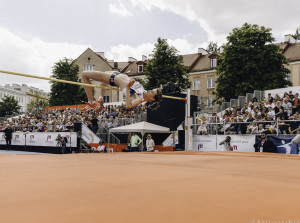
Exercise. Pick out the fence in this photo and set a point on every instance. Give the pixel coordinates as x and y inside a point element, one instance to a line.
<point>278,127</point>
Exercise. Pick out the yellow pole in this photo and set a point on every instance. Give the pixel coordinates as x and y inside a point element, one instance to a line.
<point>58,80</point>
<point>171,97</point>
<point>76,83</point>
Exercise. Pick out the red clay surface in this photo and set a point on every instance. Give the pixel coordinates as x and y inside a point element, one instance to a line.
<point>150,187</point>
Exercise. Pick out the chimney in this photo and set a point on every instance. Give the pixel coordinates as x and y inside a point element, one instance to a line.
<point>110,61</point>
<point>202,51</point>
<point>101,54</point>
<point>144,58</point>
<point>289,38</point>
<point>131,59</point>
<point>221,49</point>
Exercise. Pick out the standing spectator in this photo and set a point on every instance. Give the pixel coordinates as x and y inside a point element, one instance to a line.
<point>135,141</point>
<point>8,135</point>
<point>94,122</point>
<point>265,145</point>
<point>150,143</point>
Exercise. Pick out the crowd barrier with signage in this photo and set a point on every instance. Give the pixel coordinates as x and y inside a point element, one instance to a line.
<point>242,143</point>
<point>36,141</point>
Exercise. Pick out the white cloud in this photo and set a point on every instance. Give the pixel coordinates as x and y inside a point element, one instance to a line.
<point>121,52</point>
<point>219,17</point>
<point>32,56</point>
<point>119,10</point>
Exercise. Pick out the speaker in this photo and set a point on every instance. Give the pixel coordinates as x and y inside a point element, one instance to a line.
<point>181,138</point>
<point>77,127</point>
<point>172,124</point>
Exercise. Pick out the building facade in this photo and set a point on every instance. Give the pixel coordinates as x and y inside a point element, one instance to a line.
<point>24,94</point>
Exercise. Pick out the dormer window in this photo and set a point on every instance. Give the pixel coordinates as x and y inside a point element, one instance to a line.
<point>140,68</point>
<point>213,62</point>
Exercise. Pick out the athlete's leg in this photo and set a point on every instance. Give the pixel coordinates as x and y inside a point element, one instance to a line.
<point>97,76</point>
<point>123,81</point>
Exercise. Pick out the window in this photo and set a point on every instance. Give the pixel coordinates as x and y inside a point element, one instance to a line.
<point>209,102</point>
<point>210,83</point>
<point>213,62</point>
<point>196,85</point>
<point>88,67</point>
<point>288,78</point>
<point>140,68</point>
<point>106,99</point>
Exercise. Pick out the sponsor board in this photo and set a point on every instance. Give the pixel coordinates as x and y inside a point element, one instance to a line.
<point>40,139</point>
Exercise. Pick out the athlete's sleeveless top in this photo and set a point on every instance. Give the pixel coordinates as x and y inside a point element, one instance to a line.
<point>137,89</point>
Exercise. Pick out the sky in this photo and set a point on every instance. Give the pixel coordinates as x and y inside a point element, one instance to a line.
<point>36,34</point>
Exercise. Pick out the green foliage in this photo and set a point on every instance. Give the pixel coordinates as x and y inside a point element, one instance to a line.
<point>166,65</point>
<point>212,47</point>
<point>66,94</point>
<point>297,34</point>
<point>250,62</point>
<point>8,106</point>
<point>37,104</point>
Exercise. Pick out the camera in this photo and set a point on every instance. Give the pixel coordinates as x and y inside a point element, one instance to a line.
<point>227,139</point>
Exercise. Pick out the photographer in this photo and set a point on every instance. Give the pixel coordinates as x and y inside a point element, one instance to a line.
<point>61,142</point>
<point>226,143</point>
<point>8,136</point>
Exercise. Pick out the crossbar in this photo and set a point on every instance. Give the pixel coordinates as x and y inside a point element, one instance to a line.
<point>76,83</point>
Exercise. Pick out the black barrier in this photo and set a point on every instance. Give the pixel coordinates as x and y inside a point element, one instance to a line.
<point>171,112</point>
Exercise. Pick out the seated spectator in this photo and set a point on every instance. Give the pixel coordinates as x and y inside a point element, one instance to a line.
<point>240,127</point>
<point>283,126</point>
<point>270,99</point>
<point>287,107</point>
<point>202,129</point>
<point>277,97</point>
<point>294,125</point>
<point>260,128</point>
<point>295,104</point>
<point>252,128</point>
<point>271,113</point>
<point>100,148</point>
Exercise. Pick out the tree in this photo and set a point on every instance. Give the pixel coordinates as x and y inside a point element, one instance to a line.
<point>297,34</point>
<point>66,94</point>
<point>8,106</point>
<point>250,62</point>
<point>166,65</point>
<point>212,47</point>
<point>37,104</point>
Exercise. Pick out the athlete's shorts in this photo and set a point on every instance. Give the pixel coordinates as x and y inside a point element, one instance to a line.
<point>112,79</point>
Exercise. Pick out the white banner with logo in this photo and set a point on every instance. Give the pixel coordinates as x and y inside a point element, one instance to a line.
<point>240,143</point>
<point>40,139</point>
<point>88,136</point>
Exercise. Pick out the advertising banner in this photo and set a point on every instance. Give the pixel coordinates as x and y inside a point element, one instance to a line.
<point>283,144</point>
<point>211,143</point>
<point>240,143</point>
<point>204,143</point>
<point>88,136</point>
<point>40,139</point>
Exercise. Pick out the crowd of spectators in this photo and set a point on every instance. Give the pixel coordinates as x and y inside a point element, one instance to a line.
<point>275,114</point>
<point>65,120</point>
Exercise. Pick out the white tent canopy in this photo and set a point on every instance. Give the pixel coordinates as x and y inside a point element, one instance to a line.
<point>142,127</point>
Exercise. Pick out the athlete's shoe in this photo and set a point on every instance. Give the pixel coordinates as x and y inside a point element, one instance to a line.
<point>100,103</point>
<point>90,106</point>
